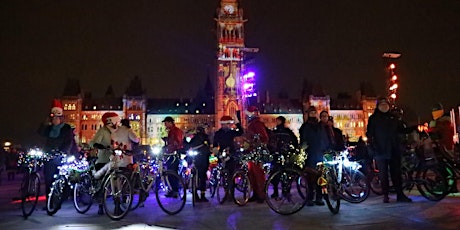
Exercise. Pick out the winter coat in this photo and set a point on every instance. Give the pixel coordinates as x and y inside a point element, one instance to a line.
<point>65,141</point>
<point>382,134</point>
<point>102,137</point>
<point>223,138</point>
<point>309,136</point>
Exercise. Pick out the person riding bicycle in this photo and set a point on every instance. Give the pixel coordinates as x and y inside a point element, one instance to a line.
<point>59,136</point>
<point>223,139</point>
<point>285,140</point>
<point>173,143</point>
<point>255,172</point>
<point>200,144</point>
<point>441,130</point>
<point>102,142</point>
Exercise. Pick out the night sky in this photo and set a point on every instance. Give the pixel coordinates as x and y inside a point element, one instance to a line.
<point>170,44</point>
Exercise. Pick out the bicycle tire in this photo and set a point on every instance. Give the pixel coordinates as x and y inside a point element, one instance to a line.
<point>435,186</point>
<point>169,201</point>
<point>288,203</point>
<point>55,196</point>
<point>30,191</point>
<point>332,196</point>
<point>137,192</point>
<point>82,198</point>
<point>355,187</point>
<point>374,183</point>
<point>241,188</point>
<point>121,195</point>
<point>194,182</point>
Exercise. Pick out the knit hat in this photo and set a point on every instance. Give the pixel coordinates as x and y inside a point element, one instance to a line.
<point>251,111</point>
<point>56,108</point>
<point>226,120</point>
<point>110,118</point>
<point>382,100</point>
<point>437,106</point>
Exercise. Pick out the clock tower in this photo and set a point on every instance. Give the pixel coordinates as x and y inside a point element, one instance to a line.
<point>230,47</point>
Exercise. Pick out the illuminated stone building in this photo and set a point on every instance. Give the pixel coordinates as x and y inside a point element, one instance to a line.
<point>233,91</point>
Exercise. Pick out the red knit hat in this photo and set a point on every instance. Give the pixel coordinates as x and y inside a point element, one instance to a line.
<point>226,120</point>
<point>56,108</point>
<point>251,110</point>
<point>110,118</point>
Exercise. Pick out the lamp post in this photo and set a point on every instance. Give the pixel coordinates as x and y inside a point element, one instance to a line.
<point>393,80</point>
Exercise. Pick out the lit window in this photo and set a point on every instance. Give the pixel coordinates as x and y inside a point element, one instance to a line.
<point>204,104</point>
<point>197,111</point>
<point>94,107</point>
<point>177,104</point>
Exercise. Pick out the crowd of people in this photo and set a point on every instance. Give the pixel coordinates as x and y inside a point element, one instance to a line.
<point>317,136</point>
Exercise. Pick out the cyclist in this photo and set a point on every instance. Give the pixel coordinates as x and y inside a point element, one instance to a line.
<point>200,143</point>
<point>59,136</point>
<point>102,141</point>
<point>173,143</point>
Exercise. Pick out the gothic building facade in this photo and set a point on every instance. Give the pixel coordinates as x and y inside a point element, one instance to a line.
<point>230,95</point>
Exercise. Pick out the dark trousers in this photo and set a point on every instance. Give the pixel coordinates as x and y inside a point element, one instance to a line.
<point>173,164</point>
<point>393,166</point>
<point>202,165</point>
<point>49,170</point>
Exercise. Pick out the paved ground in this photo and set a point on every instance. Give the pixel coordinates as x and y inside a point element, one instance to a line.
<point>371,214</point>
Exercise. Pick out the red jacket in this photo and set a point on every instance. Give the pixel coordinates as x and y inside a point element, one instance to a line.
<point>256,126</point>
<point>174,140</point>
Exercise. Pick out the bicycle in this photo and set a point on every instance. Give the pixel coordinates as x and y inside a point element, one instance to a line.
<point>150,174</point>
<point>425,175</point>
<point>219,180</point>
<point>288,174</point>
<point>61,185</point>
<point>115,186</point>
<point>330,171</point>
<point>30,185</point>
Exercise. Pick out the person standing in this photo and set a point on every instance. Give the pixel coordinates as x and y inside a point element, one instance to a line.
<point>310,141</point>
<point>382,134</point>
<point>124,137</point>
<point>200,144</point>
<point>59,136</point>
<point>173,143</point>
<point>256,174</point>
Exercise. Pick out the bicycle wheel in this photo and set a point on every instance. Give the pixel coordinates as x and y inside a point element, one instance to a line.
<point>82,198</point>
<point>302,186</point>
<point>55,196</point>
<point>194,182</point>
<point>118,197</point>
<point>222,186</point>
<point>241,188</point>
<point>354,186</point>
<point>139,195</point>
<point>332,193</point>
<point>30,191</point>
<point>289,202</point>
<point>374,183</point>
<point>170,192</point>
<point>433,185</point>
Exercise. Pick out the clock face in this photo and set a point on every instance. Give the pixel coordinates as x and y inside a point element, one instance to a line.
<point>229,9</point>
<point>230,82</point>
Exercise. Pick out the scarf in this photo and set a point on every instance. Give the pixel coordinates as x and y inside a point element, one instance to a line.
<point>55,130</point>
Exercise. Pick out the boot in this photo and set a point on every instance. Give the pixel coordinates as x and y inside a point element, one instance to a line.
<point>403,198</point>
<point>203,198</point>
<point>100,211</point>
<point>386,199</point>
<point>197,198</point>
